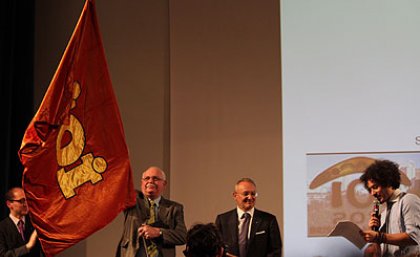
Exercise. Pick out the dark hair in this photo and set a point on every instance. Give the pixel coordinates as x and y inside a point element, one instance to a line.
<point>383,172</point>
<point>203,240</point>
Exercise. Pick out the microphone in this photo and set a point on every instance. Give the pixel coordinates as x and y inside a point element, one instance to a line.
<point>376,212</point>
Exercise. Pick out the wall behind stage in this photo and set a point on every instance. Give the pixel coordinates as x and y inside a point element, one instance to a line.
<point>350,85</point>
<point>225,104</point>
<point>198,86</point>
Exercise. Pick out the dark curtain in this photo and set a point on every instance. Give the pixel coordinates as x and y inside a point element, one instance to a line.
<point>16,80</point>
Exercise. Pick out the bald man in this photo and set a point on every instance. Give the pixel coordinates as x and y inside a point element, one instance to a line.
<point>155,222</point>
<point>17,235</point>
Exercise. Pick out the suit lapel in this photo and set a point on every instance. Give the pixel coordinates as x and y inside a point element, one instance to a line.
<point>15,232</point>
<point>164,207</point>
<point>233,227</point>
<point>142,209</point>
<point>28,228</point>
<point>256,221</point>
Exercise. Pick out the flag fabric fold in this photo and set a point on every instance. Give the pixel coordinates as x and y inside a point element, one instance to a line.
<point>77,174</point>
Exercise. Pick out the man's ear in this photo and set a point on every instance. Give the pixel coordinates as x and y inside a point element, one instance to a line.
<point>8,203</point>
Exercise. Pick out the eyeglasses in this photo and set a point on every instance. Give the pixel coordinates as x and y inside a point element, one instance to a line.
<point>246,194</point>
<point>21,201</point>
<point>153,178</point>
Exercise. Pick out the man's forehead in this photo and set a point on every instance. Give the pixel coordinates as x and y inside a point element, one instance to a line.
<point>245,185</point>
<point>18,191</point>
<point>370,183</point>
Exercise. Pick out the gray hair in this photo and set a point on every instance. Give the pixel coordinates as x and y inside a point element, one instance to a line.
<point>249,180</point>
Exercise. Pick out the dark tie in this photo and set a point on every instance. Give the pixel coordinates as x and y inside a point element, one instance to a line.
<point>388,212</point>
<point>243,235</point>
<point>152,250</point>
<point>21,228</point>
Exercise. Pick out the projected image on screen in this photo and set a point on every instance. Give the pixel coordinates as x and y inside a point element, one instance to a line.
<point>335,193</point>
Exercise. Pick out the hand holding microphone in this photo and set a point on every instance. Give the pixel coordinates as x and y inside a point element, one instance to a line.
<point>373,235</point>
<point>375,219</point>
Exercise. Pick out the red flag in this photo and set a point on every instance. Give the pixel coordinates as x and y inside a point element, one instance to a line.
<point>77,175</point>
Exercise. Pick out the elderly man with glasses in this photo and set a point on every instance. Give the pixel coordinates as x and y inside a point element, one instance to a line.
<point>17,235</point>
<point>155,225</point>
<point>246,231</point>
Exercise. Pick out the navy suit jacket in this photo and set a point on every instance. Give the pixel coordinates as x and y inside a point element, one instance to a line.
<point>264,240</point>
<point>11,242</point>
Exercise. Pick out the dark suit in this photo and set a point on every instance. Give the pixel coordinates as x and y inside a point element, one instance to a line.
<point>170,218</point>
<point>264,239</point>
<point>11,242</point>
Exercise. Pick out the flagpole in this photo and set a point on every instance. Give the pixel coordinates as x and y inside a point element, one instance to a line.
<point>145,246</point>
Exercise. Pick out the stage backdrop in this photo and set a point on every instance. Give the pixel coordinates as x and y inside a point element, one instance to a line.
<point>350,93</point>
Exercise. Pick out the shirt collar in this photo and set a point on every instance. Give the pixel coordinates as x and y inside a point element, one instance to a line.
<point>241,212</point>
<point>394,197</point>
<point>16,220</point>
<point>157,200</point>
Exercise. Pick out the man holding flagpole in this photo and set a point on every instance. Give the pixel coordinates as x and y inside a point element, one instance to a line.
<point>155,225</point>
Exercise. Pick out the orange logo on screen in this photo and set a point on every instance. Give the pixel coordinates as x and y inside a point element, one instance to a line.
<point>90,168</point>
<point>344,168</point>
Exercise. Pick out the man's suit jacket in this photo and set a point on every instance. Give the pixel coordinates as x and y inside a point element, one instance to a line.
<point>11,242</point>
<point>170,219</point>
<point>264,239</point>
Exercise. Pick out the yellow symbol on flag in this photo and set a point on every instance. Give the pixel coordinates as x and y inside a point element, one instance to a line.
<point>91,167</point>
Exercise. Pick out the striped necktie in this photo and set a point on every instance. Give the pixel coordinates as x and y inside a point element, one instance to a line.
<point>21,228</point>
<point>152,249</point>
<point>243,235</point>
